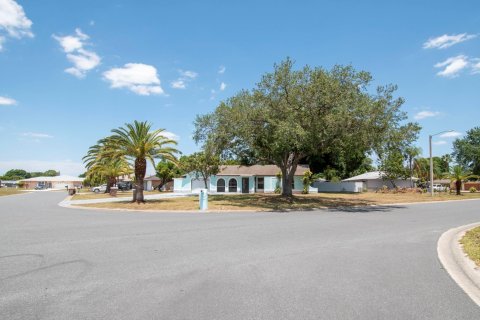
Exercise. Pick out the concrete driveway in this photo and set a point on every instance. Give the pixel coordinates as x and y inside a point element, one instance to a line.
<point>372,263</point>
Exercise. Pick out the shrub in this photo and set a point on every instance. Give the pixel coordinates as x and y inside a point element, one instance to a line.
<point>473,189</point>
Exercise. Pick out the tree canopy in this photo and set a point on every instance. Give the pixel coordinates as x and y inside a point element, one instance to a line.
<point>467,150</point>
<point>20,174</point>
<point>293,114</point>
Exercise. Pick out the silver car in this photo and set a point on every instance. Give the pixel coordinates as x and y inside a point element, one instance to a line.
<point>99,189</point>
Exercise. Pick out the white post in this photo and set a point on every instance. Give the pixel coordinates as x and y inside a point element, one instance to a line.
<point>431,165</point>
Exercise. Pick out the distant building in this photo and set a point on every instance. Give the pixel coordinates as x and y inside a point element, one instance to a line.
<point>57,182</point>
<point>373,181</point>
<point>8,184</point>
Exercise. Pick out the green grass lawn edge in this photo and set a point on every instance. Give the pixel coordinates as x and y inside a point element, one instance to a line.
<point>471,244</point>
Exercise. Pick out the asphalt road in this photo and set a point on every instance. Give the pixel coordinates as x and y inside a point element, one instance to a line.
<point>376,263</point>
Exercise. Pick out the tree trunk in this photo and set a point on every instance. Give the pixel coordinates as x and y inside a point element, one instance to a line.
<point>288,168</point>
<point>205,182</point>
<point>411,173</point>
<point>392,181</point>
<point>458,186</point>
<point>140,170</point>
<point>110,184</point>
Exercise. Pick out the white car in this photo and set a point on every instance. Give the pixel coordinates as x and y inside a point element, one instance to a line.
<point>439,188</point>
<point>99,189</point>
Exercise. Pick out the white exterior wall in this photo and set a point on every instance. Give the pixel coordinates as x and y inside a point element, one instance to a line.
<point>182,184</point>
<point>345,186</point>
<point>373,185</point>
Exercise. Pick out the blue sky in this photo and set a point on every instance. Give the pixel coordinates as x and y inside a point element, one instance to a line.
<point>72,70</point>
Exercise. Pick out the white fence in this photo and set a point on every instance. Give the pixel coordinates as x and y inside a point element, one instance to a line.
<point>344,186</point>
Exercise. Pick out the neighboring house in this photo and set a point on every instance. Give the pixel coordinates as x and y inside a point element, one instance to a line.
<point>126,177</point>
<point>151,183</point>
<point>58,182</point>
<point>8,184</point>
<point>240,179</point>
<point>373,181</point>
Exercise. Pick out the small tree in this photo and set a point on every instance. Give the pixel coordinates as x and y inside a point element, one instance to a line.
<point>307,180</point>
<point>201,165</point>
<point>411,153</point>
<point>458,175</point>
<point>166,171</point>
<point>392,166</point>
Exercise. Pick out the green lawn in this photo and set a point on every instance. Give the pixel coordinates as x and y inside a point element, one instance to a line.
<point>471,244</point>
<point>273,202</point>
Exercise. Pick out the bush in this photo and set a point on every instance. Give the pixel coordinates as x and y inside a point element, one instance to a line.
<point>473,189</point>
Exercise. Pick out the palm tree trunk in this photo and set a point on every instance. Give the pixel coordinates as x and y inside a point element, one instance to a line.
<point>458,186</point>
<point>140,170</point>
<point>110,184</point>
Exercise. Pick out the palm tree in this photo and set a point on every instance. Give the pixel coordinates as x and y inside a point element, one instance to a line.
<point>109,169</point>
<point>102,163</point>
<point>458,174</point>
<point>411,153</point>
<point>138,143</point>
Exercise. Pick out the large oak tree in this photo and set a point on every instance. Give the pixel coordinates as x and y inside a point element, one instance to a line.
<point>292,114</point>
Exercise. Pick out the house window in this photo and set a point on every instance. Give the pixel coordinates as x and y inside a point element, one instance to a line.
<point>221,185</point>
<point>232,185</point>
<point>293,184</point>
<point>260,183</point>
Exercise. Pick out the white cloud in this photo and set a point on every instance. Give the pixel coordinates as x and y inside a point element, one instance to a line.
<point>178,84</point>
<point>36,135</point>
<point>222,69</point>
<point>137,77</point>
<point>223,85</point>
<point>446,41</point>
<point>451,134</point>
<point>83,60</point>
<point>452,66</point>
<point>475,66</point>
<point>426,114</point>
<point>439,143</point>
<point>188,74</point>
<point>66,167</point>
<point>170,135</point>
<point>13,21</point>
<point>4,101</point>
<point>185,76</point>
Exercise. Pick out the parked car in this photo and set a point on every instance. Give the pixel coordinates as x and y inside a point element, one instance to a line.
<point>40,187</point>
<point>439,188</point>
<point>99,189</point>
<point>124,185</point>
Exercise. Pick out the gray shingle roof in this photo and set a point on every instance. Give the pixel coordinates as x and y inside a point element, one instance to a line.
<point>257,170</point>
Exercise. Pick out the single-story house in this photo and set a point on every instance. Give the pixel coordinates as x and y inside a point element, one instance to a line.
<point>8,184</point>
<point>240,179</point>
<point>57,182</point>
<point>151,183</point>
<point>373,181</point>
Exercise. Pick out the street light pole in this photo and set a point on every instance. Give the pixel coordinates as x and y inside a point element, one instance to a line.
<point>431,158</point>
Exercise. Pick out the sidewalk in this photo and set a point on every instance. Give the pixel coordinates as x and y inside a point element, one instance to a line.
<point>461,268</point>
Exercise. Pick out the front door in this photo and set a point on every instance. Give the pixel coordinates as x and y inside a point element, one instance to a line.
<point>245,185</point>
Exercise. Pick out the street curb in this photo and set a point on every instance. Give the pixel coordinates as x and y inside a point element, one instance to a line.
<point>461,268</point>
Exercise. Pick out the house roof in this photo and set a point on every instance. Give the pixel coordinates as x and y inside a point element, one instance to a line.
<point>372,175</point>
<point>55,179</point>
<point>257,170</point>
<point>152,178</point>
<point>442,181</point>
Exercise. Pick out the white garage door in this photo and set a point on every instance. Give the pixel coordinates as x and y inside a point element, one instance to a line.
<point>59,185</point>
<point>198,184</point>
